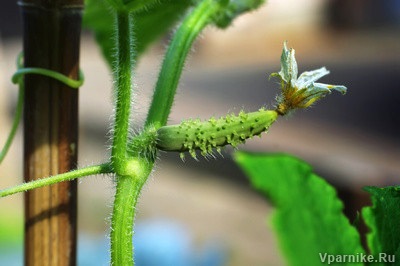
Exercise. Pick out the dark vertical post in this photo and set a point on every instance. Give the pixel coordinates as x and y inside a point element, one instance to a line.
<point>51,40</point>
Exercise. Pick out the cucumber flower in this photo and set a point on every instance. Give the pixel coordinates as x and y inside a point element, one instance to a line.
<point>302,91</point>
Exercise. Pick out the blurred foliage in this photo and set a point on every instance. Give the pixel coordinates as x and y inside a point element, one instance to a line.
<point>11,229</point>
<point>150,23</point>
<point>308,219</point>
<point>383,219</point>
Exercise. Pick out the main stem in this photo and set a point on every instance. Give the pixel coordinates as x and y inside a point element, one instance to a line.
<point>130,176</point>
<point>51,41</point>
<point>123,89</point>
<point>126,195</point>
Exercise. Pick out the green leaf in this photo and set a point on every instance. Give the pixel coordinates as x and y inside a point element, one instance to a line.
<point>234,9</point>
<point>135,5</point>
<point>99,18</point>
<point>308,220</point>
<point>130,5</point>
<point>150,23</point>
<point>383,219</point>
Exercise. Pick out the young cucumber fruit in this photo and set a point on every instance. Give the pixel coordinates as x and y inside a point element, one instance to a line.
<point>214,133</point>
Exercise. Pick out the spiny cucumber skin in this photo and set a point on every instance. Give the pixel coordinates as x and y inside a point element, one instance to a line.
<point>215,133</point>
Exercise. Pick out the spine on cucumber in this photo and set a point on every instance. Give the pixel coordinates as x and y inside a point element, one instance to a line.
<point>214,133</point>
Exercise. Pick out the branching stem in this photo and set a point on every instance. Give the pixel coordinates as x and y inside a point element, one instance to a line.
<point>174,60</point>
<point>90,170</point>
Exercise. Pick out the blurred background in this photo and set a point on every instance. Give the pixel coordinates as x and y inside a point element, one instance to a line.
<point>206,210</point>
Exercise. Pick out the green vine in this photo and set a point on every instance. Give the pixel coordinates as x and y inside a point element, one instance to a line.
<point>17,78</point>
<point>16,120</point>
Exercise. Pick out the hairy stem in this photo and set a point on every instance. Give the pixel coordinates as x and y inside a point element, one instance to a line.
<point>90,170</point>
<point>123,87</point>
<point>174,60</point>
<point>127,192</point>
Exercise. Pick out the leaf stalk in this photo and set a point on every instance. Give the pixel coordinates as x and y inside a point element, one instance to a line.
<point>175,58</point>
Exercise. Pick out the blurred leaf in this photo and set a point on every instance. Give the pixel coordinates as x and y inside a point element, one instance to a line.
<point>100,20</point>
<point>308,220</point>
<point>383,219</point>
<point>150,23</point>
<point>234,9</point>
<point>139,4</point>
<point>131,5</point>
<point>157,20</point>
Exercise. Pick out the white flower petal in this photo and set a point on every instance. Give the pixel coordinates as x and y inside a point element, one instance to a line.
<point>288,65</point>
<point>308,77</point>
<point>329,87</point>
<point>318,90</point>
